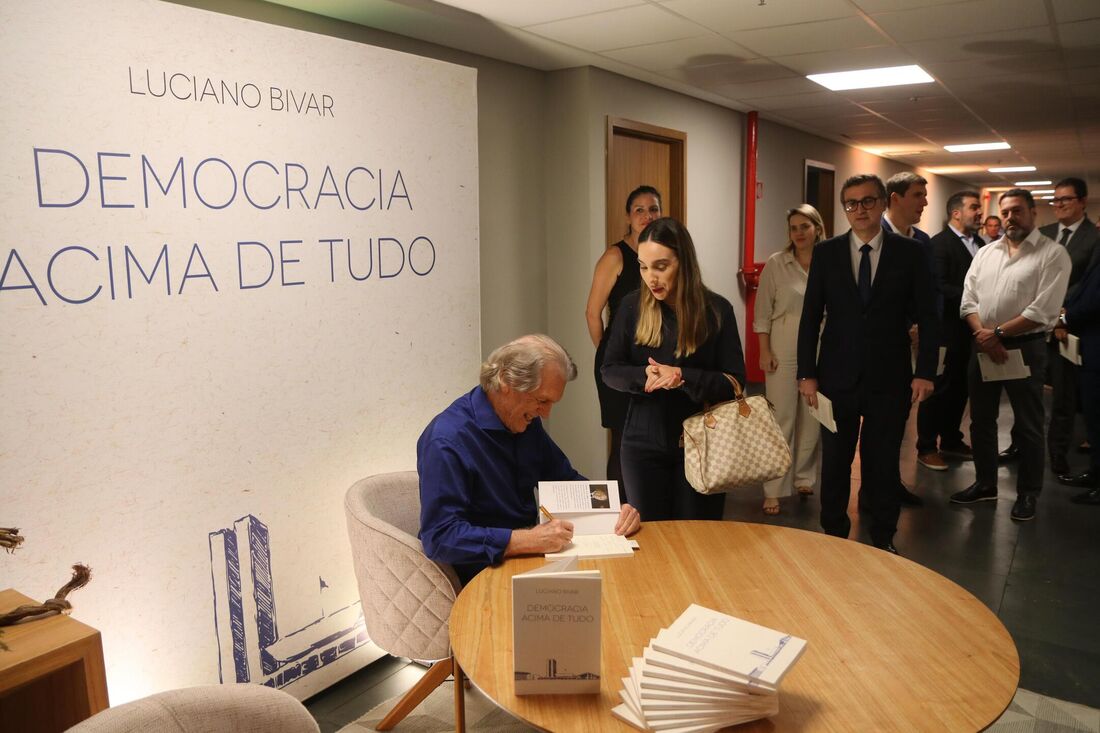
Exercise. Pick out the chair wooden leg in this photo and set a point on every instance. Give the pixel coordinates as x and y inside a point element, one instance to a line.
<point>460,699</point>
<point>432,679</point>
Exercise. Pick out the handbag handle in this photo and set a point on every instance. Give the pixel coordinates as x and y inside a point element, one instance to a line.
<point>738,393</point>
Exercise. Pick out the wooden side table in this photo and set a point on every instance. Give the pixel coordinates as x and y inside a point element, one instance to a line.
<point>51,676</point>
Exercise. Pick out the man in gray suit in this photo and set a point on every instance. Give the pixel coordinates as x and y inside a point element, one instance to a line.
<point>1078,234</point>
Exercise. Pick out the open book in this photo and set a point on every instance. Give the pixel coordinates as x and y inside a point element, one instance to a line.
<point>593,507</point>
<point>556,629</point>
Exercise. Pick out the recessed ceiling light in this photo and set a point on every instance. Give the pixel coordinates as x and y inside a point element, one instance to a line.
<point>1033,183</point>
<point>890,76</point>
<point>1012,169</point>
<point>971,147</point>
<point>1042,190</point>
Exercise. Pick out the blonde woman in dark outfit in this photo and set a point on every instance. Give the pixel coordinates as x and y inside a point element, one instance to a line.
<point>671,346</point>
<point>616,275</point>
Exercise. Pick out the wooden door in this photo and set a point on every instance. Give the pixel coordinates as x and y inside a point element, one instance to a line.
<point>820,187</point>
<point>641,154</point>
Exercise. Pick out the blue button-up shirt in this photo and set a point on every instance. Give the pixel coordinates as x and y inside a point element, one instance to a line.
<point>478,480</point>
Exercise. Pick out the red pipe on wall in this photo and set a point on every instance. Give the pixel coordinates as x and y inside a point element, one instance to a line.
<point>750,270</point>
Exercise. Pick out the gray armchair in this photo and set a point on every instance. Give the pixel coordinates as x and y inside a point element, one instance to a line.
<point>238,708</point>
<point>406,597</point>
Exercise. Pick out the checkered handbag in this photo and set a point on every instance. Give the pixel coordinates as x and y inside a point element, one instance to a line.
<point>734,444</point>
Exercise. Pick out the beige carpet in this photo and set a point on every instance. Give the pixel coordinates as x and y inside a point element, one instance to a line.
<point>1028,713</point>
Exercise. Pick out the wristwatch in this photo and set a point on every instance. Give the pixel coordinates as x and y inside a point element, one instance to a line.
<point>1062,320</point>
<point>998,332</point>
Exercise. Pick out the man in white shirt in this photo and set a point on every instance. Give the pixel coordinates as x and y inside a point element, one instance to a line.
<point>1078,234</point>
<point>1011,298</point>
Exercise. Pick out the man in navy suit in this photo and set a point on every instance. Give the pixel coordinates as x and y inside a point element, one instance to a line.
<point>867,285</point>
<point>1082,318</point>
<point>1076,232</point>
<point>939,417</point>
<point>906,199</point>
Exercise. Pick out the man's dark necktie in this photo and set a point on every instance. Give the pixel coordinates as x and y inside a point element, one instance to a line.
<point>1065,237</point>
<point>865,274</point>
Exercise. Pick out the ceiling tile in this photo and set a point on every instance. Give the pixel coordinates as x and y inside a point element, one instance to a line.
<point>1082,34</point>
<point>845,59</point>
<point>825,35</point>
<point>960,20</point>
<point>774,88</point>
<point>685,52</point>
<point>607,30</point>
<point>983,46</point>
<point>1066,11</point>
<point>522,14</point>
<point>739,15</point>
<point>797,100</point>
<point>879,6</point>
<point>906,92</point>
<point>731,72</point>
<point>1031,63</point>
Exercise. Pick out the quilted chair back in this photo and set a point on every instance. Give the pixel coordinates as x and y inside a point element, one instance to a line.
<point>406,597</point>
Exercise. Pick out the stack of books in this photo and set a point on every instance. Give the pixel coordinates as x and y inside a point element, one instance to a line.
<point>706,671</point>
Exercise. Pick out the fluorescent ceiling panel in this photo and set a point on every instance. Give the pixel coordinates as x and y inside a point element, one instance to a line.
<point>971,147</point>
<point>1012,169</point>
<point>1032,183</point>
<point>890,76</point>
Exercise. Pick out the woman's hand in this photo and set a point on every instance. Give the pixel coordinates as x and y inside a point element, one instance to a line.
<point>662,376</point>
<point>768,362</point>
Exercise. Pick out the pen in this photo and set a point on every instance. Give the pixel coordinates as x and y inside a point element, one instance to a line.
<point>546,513</point>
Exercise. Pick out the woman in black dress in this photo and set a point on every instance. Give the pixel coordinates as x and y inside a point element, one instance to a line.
<point>616,275</point>
<point>671,346</point>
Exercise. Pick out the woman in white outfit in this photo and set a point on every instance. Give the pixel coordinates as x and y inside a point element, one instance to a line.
<point>775,321</point>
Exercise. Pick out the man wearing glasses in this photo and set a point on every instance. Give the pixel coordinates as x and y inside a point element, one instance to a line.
<point>1077,233</point>
<point>866,285</point>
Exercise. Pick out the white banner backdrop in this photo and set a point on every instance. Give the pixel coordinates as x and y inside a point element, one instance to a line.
<point>240,271</point>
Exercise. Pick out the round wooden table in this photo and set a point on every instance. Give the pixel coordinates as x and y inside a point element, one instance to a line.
<point>892,646</point>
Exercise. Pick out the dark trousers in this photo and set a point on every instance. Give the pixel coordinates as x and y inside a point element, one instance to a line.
<point>1063,404</point>
<point>939,416</point>
<point>657,487</point>
<point>1026,398</point>
<point>883,424</point>
<point>1089,384</point>
<point>614,460</point>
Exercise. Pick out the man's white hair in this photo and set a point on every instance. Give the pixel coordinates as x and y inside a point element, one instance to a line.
<point>520,363</point>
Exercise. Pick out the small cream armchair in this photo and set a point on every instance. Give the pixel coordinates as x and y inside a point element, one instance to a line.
<point>406,597</point>
<point>237,708</point>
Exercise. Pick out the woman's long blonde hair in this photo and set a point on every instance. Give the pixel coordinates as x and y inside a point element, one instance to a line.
<point>689,300</point>
<point>813,215</point>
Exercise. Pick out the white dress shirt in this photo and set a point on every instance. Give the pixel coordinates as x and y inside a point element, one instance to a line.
<point>968,240</point>
<point>999,287</point>
<point>854,243</point>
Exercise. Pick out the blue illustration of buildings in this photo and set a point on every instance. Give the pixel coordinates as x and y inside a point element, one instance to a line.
<point>250,645</point>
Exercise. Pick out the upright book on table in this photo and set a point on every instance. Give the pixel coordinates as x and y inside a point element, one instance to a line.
<point>593,508</point>
<point>556,629</point>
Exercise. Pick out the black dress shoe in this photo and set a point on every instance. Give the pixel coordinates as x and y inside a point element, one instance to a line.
<point>1059,466</point>
<point>961,452</point>
<point>1024,508</point>
<point>887,547</point>
<point>1086,480</point>
<point>908,498</point>
<point>1008,454</point>
<point>1091,497</point>
<point>974,493</point>
<point>1084,447</point>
